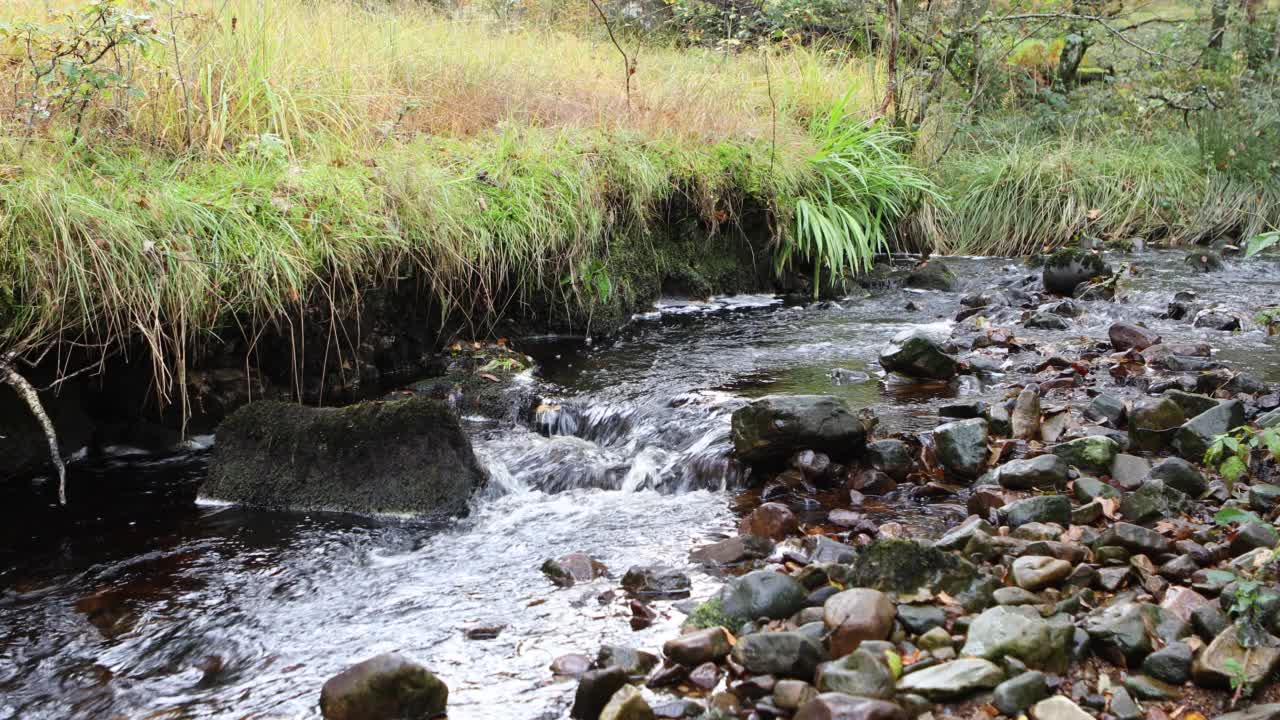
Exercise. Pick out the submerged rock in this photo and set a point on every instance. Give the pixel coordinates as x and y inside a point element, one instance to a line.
<point>916,355</point>
<point>774,427</point>
<point>573,568</point>
<point>385,686</point>
<point>408,456</point>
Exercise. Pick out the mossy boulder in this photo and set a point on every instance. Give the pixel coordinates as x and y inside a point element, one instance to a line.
<point>773,428</point>
<point>932,275</point>
<point>914,354</point>
<point>1093,453</point>
<point>910,569</point>
<point>1067,268</point>
<point>407,456</point>
<point>386,686</point>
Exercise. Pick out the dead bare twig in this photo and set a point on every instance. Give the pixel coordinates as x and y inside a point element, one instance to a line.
<point>628,61</point>
<point>15,380</point>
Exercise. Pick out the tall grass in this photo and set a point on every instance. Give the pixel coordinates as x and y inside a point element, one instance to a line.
<point>284,153</point>
<point>1030,196</point>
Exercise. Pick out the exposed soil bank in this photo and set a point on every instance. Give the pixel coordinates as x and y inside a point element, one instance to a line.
<point>355,345</point>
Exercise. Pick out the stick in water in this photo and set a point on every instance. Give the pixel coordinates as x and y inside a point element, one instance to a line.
<point>14,379</point>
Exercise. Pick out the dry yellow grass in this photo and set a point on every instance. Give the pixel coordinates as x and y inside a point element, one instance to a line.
<point>318,72</point>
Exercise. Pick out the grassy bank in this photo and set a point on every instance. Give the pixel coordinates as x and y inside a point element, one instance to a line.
<point>245,158</point>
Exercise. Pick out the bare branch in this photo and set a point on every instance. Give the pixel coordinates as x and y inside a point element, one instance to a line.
<point>27,393</point>
<point>627,61</point>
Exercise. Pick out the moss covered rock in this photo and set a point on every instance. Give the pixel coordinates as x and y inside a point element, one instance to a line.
<point>1067,268</point>
<point>409,456</point>
<point>384,687</point>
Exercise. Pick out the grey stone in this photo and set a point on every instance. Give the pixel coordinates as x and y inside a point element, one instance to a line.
<point>1109,409</point>
<point>1135,538</point>
<point>1088,489</point>
<point>762,594</point>
<point>1043,471</point>
<point>595,689</point>
<point>954,679</point>
<point>1181,475</point>
<point>1129,471</point>
<point>1251,536</point>
<point>627,704</point>
<point>962,446</point>
<point>1153,501</point>
<point>1123,631</point>
<point>916,355</point>
<point>1058,707</point>
<point>655,582</point>
<point>1020,692</point>
<point>891,457</point>
<point>1171,663</point>
<point>1025,418</point>
<point>1153,422</point>
<point>1020,632</point>
<point>862,673</point>
<point>919,619</point>
<point>1194,437</point>
<point>1124,707</point>
<point>788,654</point>
<point>1042,508</point>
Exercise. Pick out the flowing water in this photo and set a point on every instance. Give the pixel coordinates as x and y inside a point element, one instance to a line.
<point>210,611</point>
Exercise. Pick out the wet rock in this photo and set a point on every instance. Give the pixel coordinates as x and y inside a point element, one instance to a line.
<point>1109,409</point>
<point>1123,631</point>
<point>814,466</point>
<point>931,275</point>
<point>793,694</point>
<point>573,568</point>
<point>1025,418</point>
<point>999,420</point>
<point>1153,422</point>
<point>636,663</point>
<point>1192,404</point>
<point>1181,475</point>
<point>1042,508</point>
<point>954,679</point>
<point>1171,663</point>
<point>1065,269</point>
<point>1019,632</point>
<point>914,354</point>
<point>771,520</point>
<point>771,428</point>
<point>1020,692</point>
<point>1127,336</point>
<point>862,673</point>
<point>1264,496</point>
<point>384,686</point>
<point>1087,489</point>
<point>1153,501</point>
<point>890,456</point>
<point>1058,707</point>
<point>838,706</point>
<point>958,537</point>
<point>1123,706</point>
<point>1145,687</point>
<point>1252,536</point>
<point>919,619</point>
<point>1034,572</point>
<point>984,500</point>
<point>1182,601</point>
<point>1180,568</point>
<point>1212,319</point>
<point>787,654</point>
<point>1045,320</point>
<point>627,704</point>
<point>1042,471</point>
<point>1194,437</point>
<point>856,615</point>
<point>1129,471</point>
<point>407,456</point>
<point>705,676</point>
<point>571,665</point>
<point>824,550</point>
<point>1208,621</point>
<point>909,568</point>
<point>732,550</point>
<point>962,446</point>
<point>654,582</point>
<point>872,482</point>
<point>695,648</point>
<point>1093,453</point>
<point>762,594</point>
<point>1015,596</point>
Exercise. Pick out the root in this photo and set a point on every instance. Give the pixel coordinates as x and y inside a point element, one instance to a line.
<point>14,379</point>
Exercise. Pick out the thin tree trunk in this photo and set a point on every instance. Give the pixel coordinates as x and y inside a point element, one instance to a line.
<point>1218,31</point>
<point>891,50</point>
<point>12,378</point>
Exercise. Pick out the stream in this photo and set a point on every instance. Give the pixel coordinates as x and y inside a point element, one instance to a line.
<point>213,611</point>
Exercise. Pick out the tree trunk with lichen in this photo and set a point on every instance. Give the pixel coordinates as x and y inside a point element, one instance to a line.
<point>11,377</point>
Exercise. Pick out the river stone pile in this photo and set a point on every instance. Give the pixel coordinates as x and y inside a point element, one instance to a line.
<point>1090,579</point>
